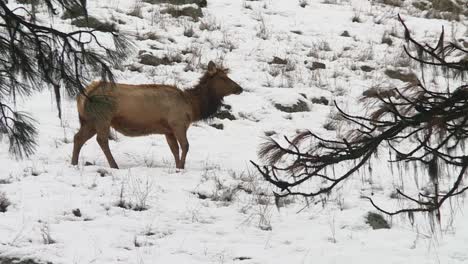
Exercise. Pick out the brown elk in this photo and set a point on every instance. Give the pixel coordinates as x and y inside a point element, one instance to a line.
<point>138,110</point>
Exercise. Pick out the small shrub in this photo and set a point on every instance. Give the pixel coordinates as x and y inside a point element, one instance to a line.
<point>330,125</point>
<point>218,126</point>
<point>194,13</point>
<point>4,202</point>
<point>76,212</point>
<point>45,233</point>
<point>365,54</point>
<point>20,260</point>
<point>303,3</point>
<point>435,14</point>
<point>92,22</point>
<point>188,31</point>
<point>136,11</point>
<point>317,65</point>
<point>200,3</point>
<point>73,12</point>
<point>321,100</point>
<point>386,39</point>
<point>6,180</point>
<point>356,18</point>
<point>421,5</point>
<point>28,2</point>
<point>330,2</point>
<point>376,221</point>
<point>140,194</point>
<point>263,31</point>
<point>409,77</point>
<point>366,68</point>
<point>225,113</point>
<point>148,35</point>
<point>209,23</point>
<point>345,34</point>
<point>278,60</point>
<point>102,172</point>
<point>447,6</point>
<point>396,3</point>
<point>324,45</point>
<point>151,60</point>
<point>227,42</point>
<point>300,106</point>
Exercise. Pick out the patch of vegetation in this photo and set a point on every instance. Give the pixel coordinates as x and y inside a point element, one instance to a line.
<point>448,6</point>
<point>376,221</point>
<point>386,39</point>
<point>300,106</point>
<point>317,65</point>
<point>303,3</point>
<point>200,3</point>
<point>136,11</point>
<point>224,113</point>
<point>151,60</point>
<point>130,206</point>
<point>92,22</point>
<point>27,2</point>
<point>76,212</point>
<point>5,181</point>
<point>102,172</point>
<point>356,18</point>
<point>46,236</point>
<point>209,23</point>
<point>74,12</point>
<point>396,3</point>
<point>189,11</point>
<point>366,68</point>
<point>409,77</point>
<point>148,35</point>
<point>345,34</point>
<point>434,14</point>
<point>4,202</point>
<point>16,260</point>
<point>188,31</point>
<point>421,5</point>
<point>263,30</point>
<point>242,258</point>
<point>277,60</point>
<point>320,100</point>
<point>442,9</point>
<point>330,125</point>
<point>298,32</point>
<point>218,126</point>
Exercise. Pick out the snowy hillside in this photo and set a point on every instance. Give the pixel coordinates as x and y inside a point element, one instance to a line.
<point>293,58</point>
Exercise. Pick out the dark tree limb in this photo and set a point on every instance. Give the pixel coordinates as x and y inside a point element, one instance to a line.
<point>33,56</point>
<point>420,125</point>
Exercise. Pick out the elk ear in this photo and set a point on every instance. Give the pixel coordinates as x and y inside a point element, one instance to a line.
<point>211,68</point>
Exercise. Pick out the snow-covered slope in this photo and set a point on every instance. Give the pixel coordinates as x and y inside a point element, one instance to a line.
<point>218,210</point>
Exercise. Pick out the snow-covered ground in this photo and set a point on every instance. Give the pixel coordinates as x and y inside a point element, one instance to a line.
<point>218,210</point>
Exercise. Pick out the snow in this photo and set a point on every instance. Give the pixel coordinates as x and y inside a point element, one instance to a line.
<point>218,210</point>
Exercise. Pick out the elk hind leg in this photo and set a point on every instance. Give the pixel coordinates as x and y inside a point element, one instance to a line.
<point>174,146</point>
<point>181,135</point>
<point>103,141</point>
<point>86,132</point>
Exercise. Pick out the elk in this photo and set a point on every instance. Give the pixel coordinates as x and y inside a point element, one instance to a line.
<point>139,110</point>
